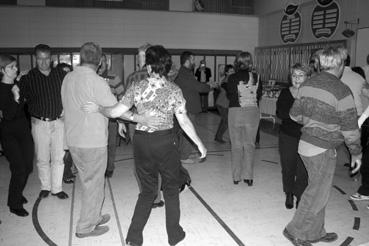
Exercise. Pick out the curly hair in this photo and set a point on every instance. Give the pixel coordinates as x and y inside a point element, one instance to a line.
<point>159,59</point>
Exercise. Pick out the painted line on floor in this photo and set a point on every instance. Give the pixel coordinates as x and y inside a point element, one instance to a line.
<point>339,189</point>
<point>71,214</point>
<point>356,224</point>
<point>116,213</point>
<point>217,218</point>
<point>347,241</point>
<point>274,162</point>
<point>37,225</point>
<point>353,205</point>
<point>267,147</point>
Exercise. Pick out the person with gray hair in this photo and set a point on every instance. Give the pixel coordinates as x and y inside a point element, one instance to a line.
<point>326,109</point>
<point>87,136</point>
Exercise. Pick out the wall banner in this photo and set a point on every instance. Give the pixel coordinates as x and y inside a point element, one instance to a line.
<point>325,18</point>
<point>290,27</point>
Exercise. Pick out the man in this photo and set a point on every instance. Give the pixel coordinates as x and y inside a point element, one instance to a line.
<point>117,89</point>
<point>86,137</point>
<point>326,109</point>
<point>41,89</point>
<point>190,88</point>
<point>138,76</point>
<point>203,75</point>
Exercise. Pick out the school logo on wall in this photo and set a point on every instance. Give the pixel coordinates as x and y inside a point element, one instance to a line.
<point>324,19</point>
<point>290,27</point>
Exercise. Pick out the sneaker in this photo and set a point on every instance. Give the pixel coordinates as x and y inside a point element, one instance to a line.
<point>295,241</point>
<point>328,238</point>
<point>358,197</point>
<point>60,195</point>
<point>158,204</point>
<point>188,161</point>
<point>99,230</point>
<point>104,219</point>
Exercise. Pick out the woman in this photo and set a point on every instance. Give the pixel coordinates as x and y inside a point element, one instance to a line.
<point>222,104</point>
<point>294,175</point>
<point>16,138</point>
<point>243,91</point>
<point>155,149</point>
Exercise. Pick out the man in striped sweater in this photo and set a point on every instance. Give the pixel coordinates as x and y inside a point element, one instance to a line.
<point>326,108</point>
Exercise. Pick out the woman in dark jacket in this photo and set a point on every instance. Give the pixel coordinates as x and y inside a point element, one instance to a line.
<point>294,175</point>
<point>16,138</point>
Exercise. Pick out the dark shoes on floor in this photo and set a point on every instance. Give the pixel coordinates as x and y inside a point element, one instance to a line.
<point>179,240</point>
<point>132,244</point>
<point>69,180</point>
<point>99,230</point>
<point>295,241</point>
<point>109,173</point>
<point>158,204</point>
<point>235,182</point>
<point>289,201</point>
<point>249,182</point>
<point>24,200</point>
<point>328,238</point>
<point>44,194</point>
<point>19,211</point>
<point>219,140</point>
<point>61,195</point>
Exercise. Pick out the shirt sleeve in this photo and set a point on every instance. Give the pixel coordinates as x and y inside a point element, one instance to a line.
<point>128,97</point>
<point>103,94</point>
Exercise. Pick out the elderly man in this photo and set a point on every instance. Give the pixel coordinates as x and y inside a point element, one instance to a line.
<point>326,109</point>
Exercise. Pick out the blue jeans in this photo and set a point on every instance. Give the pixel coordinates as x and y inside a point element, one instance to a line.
<point>243,125</point>
<point>308,221</point>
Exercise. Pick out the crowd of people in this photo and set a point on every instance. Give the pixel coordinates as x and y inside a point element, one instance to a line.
<point>73,117</point>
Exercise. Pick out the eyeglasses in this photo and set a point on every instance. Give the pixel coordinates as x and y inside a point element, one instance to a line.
<point>298,76</point>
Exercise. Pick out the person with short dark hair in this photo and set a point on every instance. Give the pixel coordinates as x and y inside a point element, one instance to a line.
<point>41,90</point>
<point>191,89</point>
<point>203,74</point>
<point>294,175</point>
<point>155,148</point>
<point>326,109</point>
<point>16,138</point>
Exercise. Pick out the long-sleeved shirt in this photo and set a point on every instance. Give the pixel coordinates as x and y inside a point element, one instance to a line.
<point>191,88</point>
<point>10,108</point>
<point>284,104</point>
<point>42,93</point>
<point>326,109</point>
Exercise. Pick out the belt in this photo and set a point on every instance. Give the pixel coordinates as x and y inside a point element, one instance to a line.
<point>46,119</point>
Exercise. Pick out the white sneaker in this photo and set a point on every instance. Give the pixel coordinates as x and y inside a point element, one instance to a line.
<point>359,197</point>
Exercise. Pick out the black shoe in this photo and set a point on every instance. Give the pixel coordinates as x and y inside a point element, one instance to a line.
<point>219,140</point>
<point>179,240</point>
<point>289,201</point>
<point>297,202</point>
<point>249,182</point>
<point>19,211</point>
<point>68,180</point>
<point>109,173</point>
<point>132,244</point>
<point>328,238</point>
<point>158,204</point>
<point>235,182</point>
<point>295,241</point>
<point>44,194</point>
<point>24,200</point>
<point>61,195</point>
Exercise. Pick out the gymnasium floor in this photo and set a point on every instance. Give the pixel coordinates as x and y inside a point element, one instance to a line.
<point>213,212</point>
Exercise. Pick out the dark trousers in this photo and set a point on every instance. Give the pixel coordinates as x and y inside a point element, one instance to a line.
<point>68,163</point>
<point>223,124</point>
<point>112,144</point>
<point>156,153</point>
<point>204,99</point>
<point>294,174</point>
<point>364,170</point>
<point>17,143</point>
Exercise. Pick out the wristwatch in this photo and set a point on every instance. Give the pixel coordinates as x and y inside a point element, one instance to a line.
<point>131,116</point>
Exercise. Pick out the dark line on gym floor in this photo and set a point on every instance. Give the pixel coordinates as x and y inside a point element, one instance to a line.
<point>217,218</point>
<point>116,213</point>
<point>347,241</point>
<point>353,205</point>
<point>356,224</point>
<point>339,189</point>
<point>71,214</point>
<point>270,161</point>
<point>37,225</point>
<point>124,159</point>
